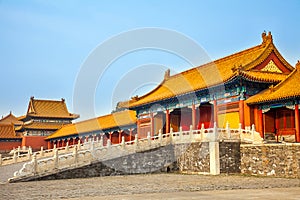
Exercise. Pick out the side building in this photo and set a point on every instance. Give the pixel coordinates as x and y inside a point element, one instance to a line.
<point>43,117</point>
<point>113,126</point>
<point>10,137</point>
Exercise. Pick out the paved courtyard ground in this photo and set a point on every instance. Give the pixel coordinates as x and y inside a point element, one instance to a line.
<point>156,186</point>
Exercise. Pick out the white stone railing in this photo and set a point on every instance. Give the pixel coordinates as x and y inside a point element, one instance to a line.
<point>25,154</point>
<point>83,154</point>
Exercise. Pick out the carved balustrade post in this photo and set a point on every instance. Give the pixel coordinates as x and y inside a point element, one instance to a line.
<point>79,145</point>
<point>34,162</point>
<point>136,142</point>
<point>75,155</point>
<point>160,137</point>
<point>55,159</point>
<point>202,131</point>
<point>180,134</point>
<point>15,156</point>
<point>29,153</point>
<point>253,133</point>
<point>67,146</point>
<point>191,133</point>
<point>228,135</point>
<point>123,142</point>
<point>42,151</point>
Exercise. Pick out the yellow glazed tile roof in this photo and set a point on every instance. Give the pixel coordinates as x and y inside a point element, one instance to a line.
<point>43,125</point>
<point>117,119</point>
<point>214,73</point>
<point>7,131</point>
<point>10,119</point>
<point>264,76</point>
<point>288,88</point>
<point>49,108</point>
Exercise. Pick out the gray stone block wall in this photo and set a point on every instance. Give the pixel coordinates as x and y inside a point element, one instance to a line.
<point>156,160</point>
<point>194,158</point>
<point>230,157</point>
<point>186,158</point>
<point>280,160</point>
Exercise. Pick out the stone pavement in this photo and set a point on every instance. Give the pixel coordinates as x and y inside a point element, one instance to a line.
<point>245,194</point>
<point>156,186</point>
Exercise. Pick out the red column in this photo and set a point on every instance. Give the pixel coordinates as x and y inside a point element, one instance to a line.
<point>194,117</point>
<point>130,134</point>
<point>63,143</point>
<point>110,133</point>
<point>138,124</point>
<point>152,124</point>
<point>297,125</point>
<point>120,136</point>
<point>215,112</point>
<point>167,121</point>
<point>276,122</point>
<point>49,144</point>
<point>241,112</point>
<point>261,123</point>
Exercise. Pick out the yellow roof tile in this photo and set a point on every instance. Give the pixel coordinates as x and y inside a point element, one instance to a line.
<point>264,76</point>
<point>49,108</point>
<point>117,119</point>
<point>43,125</point>
<point>288,88</point>
<point>10,119</point>
<point>7,131</point>
<point>214,73</point>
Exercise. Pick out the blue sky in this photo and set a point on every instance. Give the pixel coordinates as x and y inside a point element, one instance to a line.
<point>43,44</point>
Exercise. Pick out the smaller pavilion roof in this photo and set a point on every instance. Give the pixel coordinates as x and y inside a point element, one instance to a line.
<point>287,89</point>
<point>117,119</point>
<point>7,131</point>
<point>10,119</point>
<point>42,125</point>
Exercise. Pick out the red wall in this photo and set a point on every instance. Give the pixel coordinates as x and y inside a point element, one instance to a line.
<point>35,142</point>
<point>7,146</point>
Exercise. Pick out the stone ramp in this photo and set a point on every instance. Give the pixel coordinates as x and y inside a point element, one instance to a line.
<point>7,171</point>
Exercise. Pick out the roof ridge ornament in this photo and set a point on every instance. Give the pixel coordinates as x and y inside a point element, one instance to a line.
<point>167,74</point>
<point>266,38</point>
<point>271,87</point>
<point>135,98</point>
<point>298,65</point>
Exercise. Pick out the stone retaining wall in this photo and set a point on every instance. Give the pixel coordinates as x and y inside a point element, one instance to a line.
<point>196,158</point>
<point>230,157</point>
<point>186,158</point>
<point>280,160</point>
<point>156,160</point>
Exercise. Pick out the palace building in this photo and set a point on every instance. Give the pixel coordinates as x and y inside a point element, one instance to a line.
<point>43,118</point>
<point>10,137</point>
<point>254,86</point>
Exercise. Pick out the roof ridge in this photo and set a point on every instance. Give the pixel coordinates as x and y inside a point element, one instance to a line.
<point>238,53</point>
<point>52,100</point>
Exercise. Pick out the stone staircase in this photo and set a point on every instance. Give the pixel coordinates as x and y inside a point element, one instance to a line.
<point>71,157</point>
